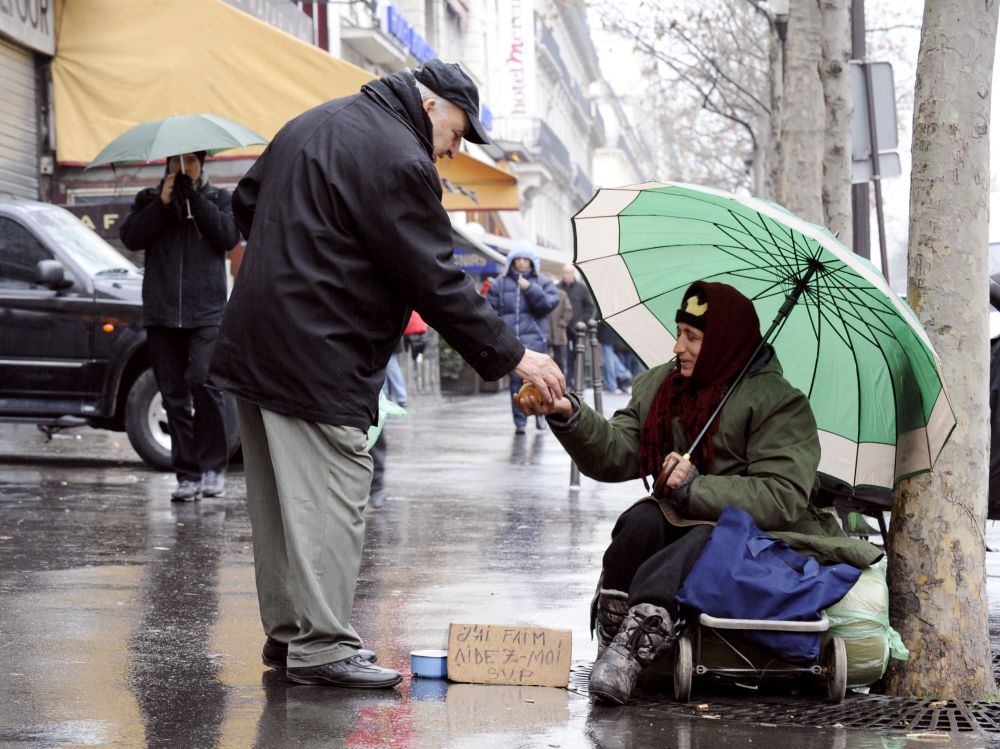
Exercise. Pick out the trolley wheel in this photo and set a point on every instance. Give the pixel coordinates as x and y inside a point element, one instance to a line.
<point>683,668</point>
<point>835,660</point>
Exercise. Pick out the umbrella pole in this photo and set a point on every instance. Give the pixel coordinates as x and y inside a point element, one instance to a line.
<point>186,201</point>
<point>800,286</point>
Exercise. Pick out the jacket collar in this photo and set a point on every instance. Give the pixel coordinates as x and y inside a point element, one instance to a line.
<point>397,94</point>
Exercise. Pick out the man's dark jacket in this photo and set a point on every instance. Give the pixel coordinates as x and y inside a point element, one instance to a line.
<point>583,305</point>
<point>346,233</point>
<point>184,282</point>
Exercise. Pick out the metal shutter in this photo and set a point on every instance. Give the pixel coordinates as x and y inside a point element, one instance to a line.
<point>18,123</point>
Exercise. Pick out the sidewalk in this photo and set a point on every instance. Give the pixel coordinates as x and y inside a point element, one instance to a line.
<point>128,620</point>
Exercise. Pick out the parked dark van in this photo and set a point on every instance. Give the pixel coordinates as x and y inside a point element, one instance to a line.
<point>72,345</point>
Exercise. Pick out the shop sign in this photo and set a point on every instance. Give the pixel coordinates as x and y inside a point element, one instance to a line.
<point>30,23</point>
<point>102,218</point>
<point>399,29</point>
<point>473,262</point>
<point>516,72</point>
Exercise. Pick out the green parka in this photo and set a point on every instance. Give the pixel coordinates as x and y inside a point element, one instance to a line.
<point>766,454</point>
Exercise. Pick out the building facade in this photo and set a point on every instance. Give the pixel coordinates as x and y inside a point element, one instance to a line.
<point>27,44</point>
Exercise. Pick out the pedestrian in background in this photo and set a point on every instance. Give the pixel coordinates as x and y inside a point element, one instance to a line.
<point>415,336</point>
<point>185,225</point>
<point>617,377</point>
<point>558,334</point>
<point>345,235</point>
<point>583,311</point>
<point>524,298</point>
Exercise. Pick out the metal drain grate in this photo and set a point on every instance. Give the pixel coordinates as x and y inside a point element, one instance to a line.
<point>857,711</point>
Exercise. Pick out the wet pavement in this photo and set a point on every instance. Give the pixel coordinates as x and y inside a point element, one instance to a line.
<point>127,620</point>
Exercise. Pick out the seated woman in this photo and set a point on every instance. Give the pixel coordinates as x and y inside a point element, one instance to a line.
<point>759,455</point>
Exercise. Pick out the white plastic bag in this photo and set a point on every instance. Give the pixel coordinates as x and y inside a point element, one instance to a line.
<point>861,620</point>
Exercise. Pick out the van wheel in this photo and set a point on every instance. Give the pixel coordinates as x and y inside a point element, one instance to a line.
<point>146,422</point>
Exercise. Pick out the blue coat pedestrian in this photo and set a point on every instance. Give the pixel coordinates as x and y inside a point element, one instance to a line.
<point>524,298</point>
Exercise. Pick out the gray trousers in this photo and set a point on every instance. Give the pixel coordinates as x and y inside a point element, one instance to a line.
<point>307,485</point>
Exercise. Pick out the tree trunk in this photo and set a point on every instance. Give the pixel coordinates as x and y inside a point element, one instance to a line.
<point>770,162</point>
<point>937,577</point>
<point>835,76</point>
<point>800,180</point>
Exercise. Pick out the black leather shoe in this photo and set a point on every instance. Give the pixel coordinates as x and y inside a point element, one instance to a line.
<point>275,654</point>
<point>354,672</point>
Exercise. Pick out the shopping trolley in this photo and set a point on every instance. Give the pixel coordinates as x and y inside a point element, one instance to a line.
<point>710,648</point>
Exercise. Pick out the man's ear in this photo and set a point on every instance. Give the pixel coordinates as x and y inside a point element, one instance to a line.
<point>429,104</point>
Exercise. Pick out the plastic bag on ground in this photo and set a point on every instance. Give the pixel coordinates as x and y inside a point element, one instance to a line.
<point>861,620</point>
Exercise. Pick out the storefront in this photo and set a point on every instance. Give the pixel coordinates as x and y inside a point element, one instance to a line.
<point>27,41</point>
<point>230,64</point>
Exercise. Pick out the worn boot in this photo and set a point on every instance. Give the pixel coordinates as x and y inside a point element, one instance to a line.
<point>612,607</point>
<point>647,631</point>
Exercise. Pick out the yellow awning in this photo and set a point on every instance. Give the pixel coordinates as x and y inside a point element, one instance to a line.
<point>121,63</point>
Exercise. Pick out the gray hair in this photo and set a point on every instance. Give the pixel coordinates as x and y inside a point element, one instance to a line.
<point>426,93</point>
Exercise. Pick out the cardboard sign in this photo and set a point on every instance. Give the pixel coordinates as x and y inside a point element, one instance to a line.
<point>501,654</point>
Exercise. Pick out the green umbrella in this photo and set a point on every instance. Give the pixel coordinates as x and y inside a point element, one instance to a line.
<point>172,136</point>
<point>843,337</point>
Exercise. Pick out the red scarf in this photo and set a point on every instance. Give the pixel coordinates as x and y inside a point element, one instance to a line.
<point>732,333</point>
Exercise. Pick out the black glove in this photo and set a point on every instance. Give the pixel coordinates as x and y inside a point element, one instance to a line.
<point>184,187</point>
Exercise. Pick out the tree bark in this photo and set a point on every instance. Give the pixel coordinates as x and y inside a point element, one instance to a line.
<point>800,182</point>
<point>836,81</point>
<point>937,576</point>
<point>770,167</point>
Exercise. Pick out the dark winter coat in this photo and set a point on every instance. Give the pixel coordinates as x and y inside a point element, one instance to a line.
<point>184,282</point>
<point>766,455</point>
<point>526,311</point>
<point>583,305</point>
<point>346,233</point>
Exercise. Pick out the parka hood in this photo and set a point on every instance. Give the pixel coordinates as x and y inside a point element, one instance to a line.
<point>523,249</point>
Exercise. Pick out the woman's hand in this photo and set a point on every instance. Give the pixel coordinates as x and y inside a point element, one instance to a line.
<point>677,470</point>
<point>530,401</point>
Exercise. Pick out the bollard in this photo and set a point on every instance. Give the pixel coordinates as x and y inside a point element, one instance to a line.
<point>577,386</point>
<point>596,370</point>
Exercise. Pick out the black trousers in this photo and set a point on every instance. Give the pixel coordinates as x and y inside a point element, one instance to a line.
<point>649,558</point>
<point>180,358</point>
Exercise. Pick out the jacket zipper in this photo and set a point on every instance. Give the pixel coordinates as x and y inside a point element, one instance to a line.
<point>180,290</point>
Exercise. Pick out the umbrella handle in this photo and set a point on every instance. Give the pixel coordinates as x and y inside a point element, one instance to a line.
<point>660,488</point>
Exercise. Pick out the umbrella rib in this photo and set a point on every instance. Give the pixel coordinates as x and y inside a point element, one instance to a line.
<point>890,333</point>
<point>778,251</point>
<point>857,379</point>
<point>892,385</point>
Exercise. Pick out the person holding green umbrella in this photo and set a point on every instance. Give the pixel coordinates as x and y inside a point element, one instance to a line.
<point>185,225</point>
<point>760,455</point>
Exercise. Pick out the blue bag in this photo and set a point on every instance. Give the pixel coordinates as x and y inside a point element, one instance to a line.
<point>742,573</point>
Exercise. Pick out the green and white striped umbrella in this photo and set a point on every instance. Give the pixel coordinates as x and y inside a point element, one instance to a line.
<point>849,343</point>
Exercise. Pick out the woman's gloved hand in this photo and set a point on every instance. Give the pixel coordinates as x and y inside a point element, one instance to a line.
<point>676,476</point>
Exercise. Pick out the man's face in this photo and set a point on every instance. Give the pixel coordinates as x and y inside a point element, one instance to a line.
<point>688,347</point>
<point>568,276</point>
<point>448,124</point>
<point>192,167</point>
<point>522,264</point>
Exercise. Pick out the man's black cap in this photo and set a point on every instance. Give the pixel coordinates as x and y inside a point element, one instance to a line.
<point>448,80</point>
